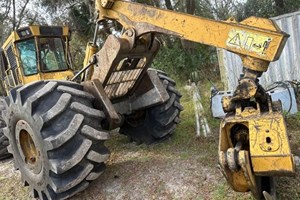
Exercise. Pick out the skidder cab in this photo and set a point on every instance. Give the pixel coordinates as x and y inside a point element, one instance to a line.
<point>35,53</point>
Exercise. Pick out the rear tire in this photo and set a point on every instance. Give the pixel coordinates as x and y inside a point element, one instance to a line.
<point>3,139</point>
<point>55,137</point>
<point>158,122</point>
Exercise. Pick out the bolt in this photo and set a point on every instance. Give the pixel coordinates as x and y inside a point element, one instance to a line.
<point>104,3</point>
<point>32,159</point>
<point>129,33</point>
<point>269,148</point>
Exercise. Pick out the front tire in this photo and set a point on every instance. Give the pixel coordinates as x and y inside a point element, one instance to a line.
<point>158,122</point>
<point>55,137</point>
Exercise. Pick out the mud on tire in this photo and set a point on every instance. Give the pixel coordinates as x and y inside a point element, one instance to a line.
<point>55,137</point>
<point>158,122</point>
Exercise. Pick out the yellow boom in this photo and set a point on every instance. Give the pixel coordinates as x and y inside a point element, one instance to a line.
<point>254,38</point>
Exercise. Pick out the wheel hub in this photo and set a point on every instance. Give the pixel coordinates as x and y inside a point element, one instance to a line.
<point>28,151</point>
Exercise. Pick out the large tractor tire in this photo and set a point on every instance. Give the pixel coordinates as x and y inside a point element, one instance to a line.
<point>55,137</point>
<point>3,143</point>
<point>3,139</point>
<point>158,122</point>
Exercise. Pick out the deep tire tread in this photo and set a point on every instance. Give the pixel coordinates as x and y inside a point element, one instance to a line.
<point>63,137</point>
<point>58,108</point>
<point>75,92</point>
<point>70,134</point>
<point>160,121</point>
<point>90,132</point>
<point>21,94</point>
<point>60,186</point>
<point>62,165</point>
<point>165,77</point>
<point>3,138</point>
<point>97,171</point>
<point>88,111</point>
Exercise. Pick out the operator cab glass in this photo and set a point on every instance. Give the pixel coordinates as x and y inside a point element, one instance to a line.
<point>50,55</point>
<point>28,56</point>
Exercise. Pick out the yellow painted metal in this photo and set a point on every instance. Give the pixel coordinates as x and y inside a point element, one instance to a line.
<point>244,162</point>
<point>28,147</point>
<point>269,145</point>
<point>35,33</point>
<point>89,52</point>
<point>254,37</point>
<point>60,75</point>
<point>11,38</point>
<point>255,64</point>
<point>268,141</point>
<point>29,79</point>
<point>269,150</point>
<point>236,179</point>
<point>35,30</point>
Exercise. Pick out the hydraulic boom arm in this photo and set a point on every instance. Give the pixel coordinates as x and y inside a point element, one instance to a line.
<point>258,41</point>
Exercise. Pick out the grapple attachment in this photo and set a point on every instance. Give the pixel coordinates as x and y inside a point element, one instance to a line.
<point>253,148</point>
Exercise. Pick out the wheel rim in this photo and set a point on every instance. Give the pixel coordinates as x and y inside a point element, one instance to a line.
<point>28,150</point>
<point>28,147</point>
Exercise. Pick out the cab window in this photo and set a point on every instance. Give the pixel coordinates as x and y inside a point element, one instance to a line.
<point>52,54</point>
<point>27,52</point>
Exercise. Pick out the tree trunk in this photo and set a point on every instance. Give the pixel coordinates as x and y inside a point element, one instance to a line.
<point>279,6</point>
<point>190,9</point>
<point>21,15</point>
<point>166,41</point>
<point>14,14</point>
<point>168,4</point>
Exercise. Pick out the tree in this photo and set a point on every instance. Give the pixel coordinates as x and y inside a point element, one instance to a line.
<point>14,14</point>
<point>5,9</point>
<point>269,8</point>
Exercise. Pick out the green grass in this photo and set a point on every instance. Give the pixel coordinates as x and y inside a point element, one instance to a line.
<point>220,192</point>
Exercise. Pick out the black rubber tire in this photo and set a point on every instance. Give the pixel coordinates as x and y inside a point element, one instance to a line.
<point>3,139</point>
<point>158,122</point>
<point>66,132</point>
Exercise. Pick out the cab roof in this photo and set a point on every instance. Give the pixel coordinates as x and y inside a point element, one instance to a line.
<point>35,30</point>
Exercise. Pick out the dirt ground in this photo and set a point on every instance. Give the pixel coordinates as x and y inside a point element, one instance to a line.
<point>182,167</point>
<point>141,172</point>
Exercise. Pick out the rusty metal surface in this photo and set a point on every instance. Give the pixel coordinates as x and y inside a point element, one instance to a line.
<point>286,68</point>
<point>121,64</point>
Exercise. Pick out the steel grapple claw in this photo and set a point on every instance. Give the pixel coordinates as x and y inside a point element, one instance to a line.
<point>267,196</point>
<point>254,148</point>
